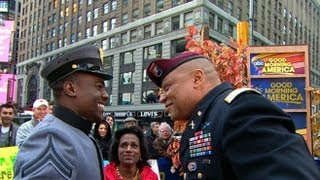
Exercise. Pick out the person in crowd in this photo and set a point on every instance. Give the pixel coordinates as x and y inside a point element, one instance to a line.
<point>102,133</point>
<point>164,139</point>
<point>150,136</point>
<point>130,121</point>
<point>110,119</point>
<point>40,110</point>
<point>8,130</point>
<point>59,146</point>
<point>51,105</point>
<point>231,134</point>
<point>129,156</point>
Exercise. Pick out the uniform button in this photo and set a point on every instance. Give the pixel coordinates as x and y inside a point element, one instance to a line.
<point>200,175</point>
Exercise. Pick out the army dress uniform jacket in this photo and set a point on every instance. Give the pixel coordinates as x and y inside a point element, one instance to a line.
<point>59,148</point>
<point>247,138</point>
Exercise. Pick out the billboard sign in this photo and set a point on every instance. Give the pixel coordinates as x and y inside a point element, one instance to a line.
<point>4,6</point>
<point>281,73</point>
<point>7,88</point>
<point>5,39</point>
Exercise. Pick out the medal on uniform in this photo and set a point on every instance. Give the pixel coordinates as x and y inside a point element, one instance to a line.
<point>172,170</point>
<point>200,144</point>
<point>192,166</point>
<point>192,124</point>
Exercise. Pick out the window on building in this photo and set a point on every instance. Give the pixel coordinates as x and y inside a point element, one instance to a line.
<point>124,18</point>
<point>74,8</point>
<point>188,18</point>
<point>113,5</point>
<point>145,77</point>
<point>124,38</point>
<point>79,35</point>
<point>95,30</point>
<point>238,13</point>
<point>133,35</point>
<point>151,52</point>
<point>108,61</point>
<point>105,8</point>
<point>105,26</point>
<point>159,28</point>
<point>53,32</point>
<point>89,16</point>
<point>159,6</point>
<point>112,42</point>
<point>150,96</point>
<point>127,57</point>
<point>175,23</point>
<point>79,19</point>
<point>178,46</point>
<point>211,20</point>
<point>60,29</point>
<point>230,30</point>
<point>72,39</point>
<point>147,31</point>
<point>125,98</point>
<point>88,32</point>
<point>104,44</point>
<point>65,42</point>
<point>135,14</point>
<point>146,10</point>
<point>219,25</point>
<point>230,8</point>
<point>126,78</point>
<point>175,3</point>
<point>67,11</point>
<point>95,13</point>
<point>124,2</point>
<point>113,23</point>
<point>59,43</point>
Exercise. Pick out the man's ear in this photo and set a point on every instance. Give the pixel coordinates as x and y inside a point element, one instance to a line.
<point>198,77</point>
<point>69,88</point>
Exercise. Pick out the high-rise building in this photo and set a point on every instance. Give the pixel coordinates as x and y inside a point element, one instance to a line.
<point>131,32</point>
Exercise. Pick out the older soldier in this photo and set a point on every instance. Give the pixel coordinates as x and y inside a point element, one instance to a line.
<point>232,134</point>
<point>59,147</point>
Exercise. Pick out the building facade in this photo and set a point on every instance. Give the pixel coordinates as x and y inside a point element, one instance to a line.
<point>132,32</point>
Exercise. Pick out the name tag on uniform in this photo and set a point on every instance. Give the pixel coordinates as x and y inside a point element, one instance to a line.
<point>200,144</point>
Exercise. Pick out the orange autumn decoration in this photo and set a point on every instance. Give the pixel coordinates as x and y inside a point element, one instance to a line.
<point>230,62</point>
<point>315,120</point>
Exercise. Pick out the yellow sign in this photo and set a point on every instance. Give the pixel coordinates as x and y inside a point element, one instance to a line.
<point>278,65</point>
<point>7,158</point>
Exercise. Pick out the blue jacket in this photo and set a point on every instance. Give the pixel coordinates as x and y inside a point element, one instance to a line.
<point>247,138</point>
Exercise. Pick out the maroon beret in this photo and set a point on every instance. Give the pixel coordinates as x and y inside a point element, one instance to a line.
<point>160,68</point>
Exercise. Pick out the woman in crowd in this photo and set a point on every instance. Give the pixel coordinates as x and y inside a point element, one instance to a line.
<point>128,156</point>
<point>110,120</point>
<point>102,133</point>
<point>164,139</point>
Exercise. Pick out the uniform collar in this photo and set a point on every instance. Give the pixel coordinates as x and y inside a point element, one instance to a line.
<point>71,118</point>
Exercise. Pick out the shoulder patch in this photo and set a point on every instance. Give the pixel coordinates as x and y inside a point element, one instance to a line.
<point>237,92</point>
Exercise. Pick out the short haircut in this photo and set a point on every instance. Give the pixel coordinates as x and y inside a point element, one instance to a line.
<point>153,124</point>
<point>8,105</point>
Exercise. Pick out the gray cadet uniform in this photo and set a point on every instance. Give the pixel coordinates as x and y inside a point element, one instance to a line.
<point>59,146</point>
<point>63,151</point>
